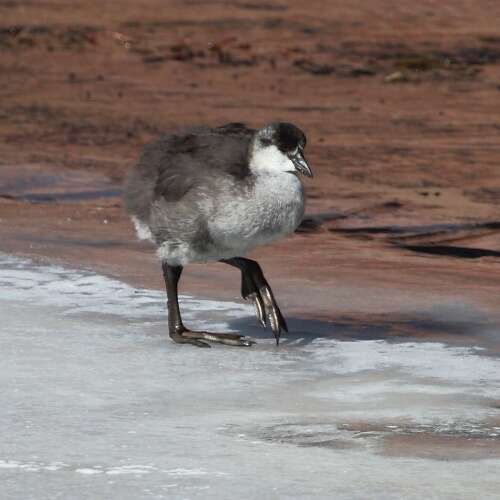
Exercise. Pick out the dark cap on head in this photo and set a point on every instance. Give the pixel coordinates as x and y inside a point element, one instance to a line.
<point>286,136</point>
<point>289,139</point>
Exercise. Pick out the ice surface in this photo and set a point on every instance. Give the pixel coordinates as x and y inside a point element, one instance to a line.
<point>96,403</point>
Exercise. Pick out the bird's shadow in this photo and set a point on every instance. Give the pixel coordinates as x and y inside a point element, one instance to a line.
<point>446,325</point>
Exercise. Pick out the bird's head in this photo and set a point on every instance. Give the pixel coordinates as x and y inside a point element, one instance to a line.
<point>279,147</point>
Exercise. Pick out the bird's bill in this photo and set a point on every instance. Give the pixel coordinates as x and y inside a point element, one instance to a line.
<point>300,163</point>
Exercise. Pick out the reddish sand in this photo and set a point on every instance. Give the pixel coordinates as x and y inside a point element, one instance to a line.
<point>400,103</point>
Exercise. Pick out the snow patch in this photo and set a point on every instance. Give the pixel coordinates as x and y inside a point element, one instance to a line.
<point>92,387</point>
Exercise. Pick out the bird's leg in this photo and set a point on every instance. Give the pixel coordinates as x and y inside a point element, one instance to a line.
<point>177,331</point>
<point>255,287</point>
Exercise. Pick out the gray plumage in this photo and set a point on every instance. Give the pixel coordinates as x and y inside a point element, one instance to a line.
<point>213,194</point>
<point>175,163</point>
<point>188,188</point>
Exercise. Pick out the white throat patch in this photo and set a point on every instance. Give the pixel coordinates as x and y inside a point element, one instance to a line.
<point>270,159</point>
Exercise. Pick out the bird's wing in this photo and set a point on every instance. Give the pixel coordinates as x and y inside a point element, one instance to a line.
<point>174,164</point>
<point>190,159</point>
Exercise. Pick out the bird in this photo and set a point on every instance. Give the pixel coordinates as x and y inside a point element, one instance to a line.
<point>213,194</point>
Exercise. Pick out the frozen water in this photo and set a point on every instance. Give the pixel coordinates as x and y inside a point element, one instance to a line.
<point>97,403</point>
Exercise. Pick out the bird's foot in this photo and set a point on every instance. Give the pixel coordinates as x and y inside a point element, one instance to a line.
<point>267,310</point>
<point>202,339</point>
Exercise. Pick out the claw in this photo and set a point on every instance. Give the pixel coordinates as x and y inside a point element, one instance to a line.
<point>220,338</point>
<point>273,319</point>
<point>259,308</point>
<point>227,339</point>
<point>273,312</point>
<point>254,287</point>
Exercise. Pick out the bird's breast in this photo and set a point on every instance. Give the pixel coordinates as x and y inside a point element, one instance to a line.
<point>271,207</point>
